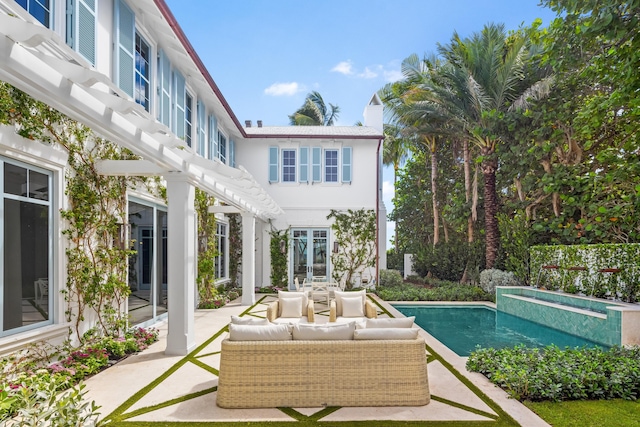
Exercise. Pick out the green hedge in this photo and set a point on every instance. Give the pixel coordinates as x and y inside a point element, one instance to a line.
<point>623,285</point>
<point>445,291</point>
<point>554,374</point>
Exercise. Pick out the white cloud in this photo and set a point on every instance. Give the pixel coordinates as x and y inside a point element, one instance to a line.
<point>388,191</point>
<point>343,67</point>
<point>284,89</point>
<point>368,74</point>
<point>393,75</point>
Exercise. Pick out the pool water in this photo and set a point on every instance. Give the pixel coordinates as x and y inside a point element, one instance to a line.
<point>462,328</point>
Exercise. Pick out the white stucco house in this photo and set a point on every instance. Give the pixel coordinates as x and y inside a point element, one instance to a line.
<point>125,69</point>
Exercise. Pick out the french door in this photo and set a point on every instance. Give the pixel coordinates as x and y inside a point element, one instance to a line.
<point>309,253</point>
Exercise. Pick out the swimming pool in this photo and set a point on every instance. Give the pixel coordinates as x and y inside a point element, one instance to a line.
<point>463,327</point>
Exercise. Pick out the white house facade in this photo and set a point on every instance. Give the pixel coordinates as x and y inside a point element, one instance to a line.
<point>126,70</point>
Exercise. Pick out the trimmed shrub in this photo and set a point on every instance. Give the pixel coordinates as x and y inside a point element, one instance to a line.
<point>447,291</point>
<point>390,278</point>
<point>491,278</point>
<point>554,374</point>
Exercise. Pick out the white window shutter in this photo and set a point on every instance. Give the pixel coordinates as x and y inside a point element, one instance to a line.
<point>125,22</point>
<point>86,36</point>
<point>213,137</point>
<point>164,89</point>
<point>232,153</point>
<point>179,101</point>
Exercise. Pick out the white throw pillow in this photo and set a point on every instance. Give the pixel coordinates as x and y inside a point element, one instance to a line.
<point>394,322</point>
<point>286,294</point>
<point>386,334</point>
<point>237,320</point>
<point>342,331</point>
<point>341,294</point>
<point>352,307</point>
<point>259,333</point>
<point>291,307</point>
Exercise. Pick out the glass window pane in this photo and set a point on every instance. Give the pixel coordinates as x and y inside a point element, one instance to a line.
<point>15,180</point>
<point>38,185</point>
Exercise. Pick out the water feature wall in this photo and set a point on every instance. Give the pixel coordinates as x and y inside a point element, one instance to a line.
<point>606,322</point>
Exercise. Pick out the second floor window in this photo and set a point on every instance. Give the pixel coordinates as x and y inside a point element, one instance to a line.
<point>288,165</point>
<point>331,165</point>
<point>188,119</point>
<point>222,148</point>
<point>39,9</point>
<point>142,73</point>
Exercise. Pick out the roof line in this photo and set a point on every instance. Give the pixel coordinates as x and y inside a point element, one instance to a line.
<point>273,136</point>
<point>173,23</point>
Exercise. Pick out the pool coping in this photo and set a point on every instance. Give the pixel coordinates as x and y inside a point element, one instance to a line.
<point>519,412</point>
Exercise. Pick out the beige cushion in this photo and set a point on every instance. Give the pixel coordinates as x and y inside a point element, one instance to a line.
<point>291,307</point>
<point>286,294</point>
<point>342,331</point>
<point>341,294</point>
<point>249,320</point>
<point>352,307</point>
<point>397,322</point>
<point>385,334</point>
<point>259,333</point>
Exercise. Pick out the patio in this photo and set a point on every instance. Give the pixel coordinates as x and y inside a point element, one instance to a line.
<point>153,387</point>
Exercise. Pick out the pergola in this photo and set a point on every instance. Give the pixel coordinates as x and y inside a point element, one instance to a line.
<point>37,61</point>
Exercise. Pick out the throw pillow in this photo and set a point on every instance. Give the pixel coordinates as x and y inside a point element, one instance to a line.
<point>386,334</point>
<point>259,333</point>
<point>237,320</point>
<point>352,307</point>
<point>341,294</point>
<point>291,307</point>
<point>287,294</point>
<point>397,322</point>
<point>342,331</point>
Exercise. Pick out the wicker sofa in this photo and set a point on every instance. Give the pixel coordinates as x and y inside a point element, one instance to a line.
<point>268,374</point>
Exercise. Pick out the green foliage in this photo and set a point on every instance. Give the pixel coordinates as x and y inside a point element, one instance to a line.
<point>314,112</point>
<point>279,250</point>
<point>355,232</point>
<point>554,374</point>
<point>446,291</point>
<point>623,284</point>
<point>390,278</point>
<point>491,278</point>
<point>207,247</point>
<point>450,261</point>
<point>515,239</point>
<point>235,249</point>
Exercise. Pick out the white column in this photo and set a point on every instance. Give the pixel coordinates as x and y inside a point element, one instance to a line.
<point>181,256</point>
<point>248,258</point>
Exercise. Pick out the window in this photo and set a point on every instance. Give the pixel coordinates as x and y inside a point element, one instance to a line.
<point>142,73</point>
<point>188,119</point>
<point>26,211</point>
<point>222,148</point>
<point>39,9</point>
<point>288,165</point>
<point>220,260</point>
<point>331,165</point>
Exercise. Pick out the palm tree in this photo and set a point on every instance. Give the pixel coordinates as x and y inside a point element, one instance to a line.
<point>314,112</point>
<point>394,152</point>
<point>491,77</point>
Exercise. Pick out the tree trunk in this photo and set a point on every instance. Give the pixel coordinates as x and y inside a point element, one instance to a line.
<point>434,193</point>
<point>467,187</point>
<point>396,166</point>
<point>492,233</point>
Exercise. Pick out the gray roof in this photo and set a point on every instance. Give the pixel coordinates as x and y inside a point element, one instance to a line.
<point>313,131</point>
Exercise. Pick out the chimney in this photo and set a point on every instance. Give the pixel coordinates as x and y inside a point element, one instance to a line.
<point>259,123</point>
<point>247,123</point>
<point>373,114</point>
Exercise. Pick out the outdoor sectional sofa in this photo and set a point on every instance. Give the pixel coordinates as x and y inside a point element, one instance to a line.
<point>314,373</point>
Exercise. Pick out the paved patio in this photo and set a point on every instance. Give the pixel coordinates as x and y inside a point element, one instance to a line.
<point>153,387</point>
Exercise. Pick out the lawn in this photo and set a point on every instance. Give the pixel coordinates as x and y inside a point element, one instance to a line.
<point>589,413</point>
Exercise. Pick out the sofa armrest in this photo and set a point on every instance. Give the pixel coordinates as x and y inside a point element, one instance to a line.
<point>370,310</point>
<point>272,311</point>
<point>310,311</point>
<point>332,311</point>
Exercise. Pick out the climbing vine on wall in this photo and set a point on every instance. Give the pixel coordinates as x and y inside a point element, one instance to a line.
<point>207,242</point>
<point>235,249</point>
<point>279,250</point>
<point>96,256</point>
<point>355,233</point>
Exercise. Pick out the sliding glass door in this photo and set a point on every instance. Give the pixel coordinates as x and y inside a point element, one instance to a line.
<point>309,253</point>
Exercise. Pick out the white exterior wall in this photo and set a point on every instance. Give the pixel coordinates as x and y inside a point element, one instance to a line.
<point>308,204</point>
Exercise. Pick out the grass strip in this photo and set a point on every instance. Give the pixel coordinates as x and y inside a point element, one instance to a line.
<point>180,399</point>
<point>206,367</point>
<point>464,407</point>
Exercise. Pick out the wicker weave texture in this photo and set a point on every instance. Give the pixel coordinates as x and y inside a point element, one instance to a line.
<point>268,374</point>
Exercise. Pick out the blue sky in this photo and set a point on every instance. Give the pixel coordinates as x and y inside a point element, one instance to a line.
<point>267,55</point>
